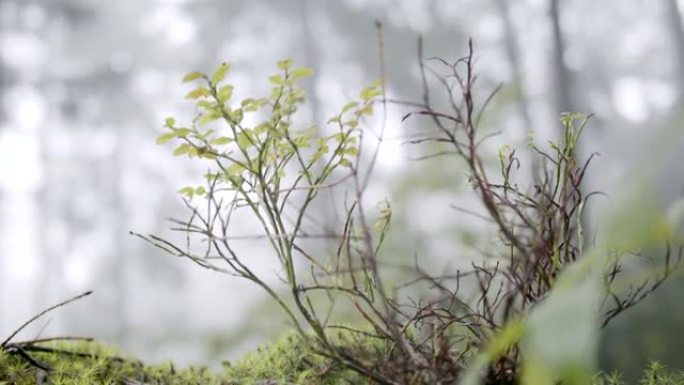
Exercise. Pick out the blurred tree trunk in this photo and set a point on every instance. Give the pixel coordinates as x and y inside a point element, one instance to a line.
<point>561,74</point>
<point>3,85</point>
<point>309,10</point>
<point>674,24</point>
<point>672,179</point>
<point>311,56</point>
<point>564,102</point>
<point>512,51</point>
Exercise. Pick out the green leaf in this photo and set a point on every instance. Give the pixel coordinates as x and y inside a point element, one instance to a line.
<point>349,106</point>
<point>284,64</point>
<point>322,149</point>
<point>192,76</point>
<point>563,332</point>
<point>197,93</point>
<point>353,123</point>
<point>277,134</point>
<point>236,115</point>
<point>244,139</point>
<point>352,151</point>
<point>250,104</point>
<point>220,73</point>
<point>277,80</point>
<point>182,132</point>
<point>302,141</point>
<point>206,104</point>
<point>288,110</point>
<point>200,190</point>
<point>182,149</point>
<point>263,127</point>
<point>169,122</point>
<point>188,191</point>
<point>164,138</point>
<point>209,117</point>
<point>220,141</point>
<point>301,72</point>
<point>225,93</point>
<point>235,169</point>
<point>369,93</point>
<point>366,110</point>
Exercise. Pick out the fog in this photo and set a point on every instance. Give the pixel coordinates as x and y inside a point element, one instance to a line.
<point>85,87</point>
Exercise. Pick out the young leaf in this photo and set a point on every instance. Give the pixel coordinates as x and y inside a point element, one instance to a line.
<point>284,64</point>
<point>209,117</point>
<point>208,155</point>
<point>276,80</point>
<point>235,169</point>
<point>349,106</point>
<point>369,93</point>
<point>353,123</point>
<point>182,149</point>
<point>220,141</point>
<point>192,76</point>
<point>366,110</point>
<point>236,115</point>
<point>164,138</point>
<point>220,73</point>
<point>301,72</point>
<point>182,132</point>
<point>243,139</point>
<point>206,104</point>
<point>353,151</point>
<point>225,93</point>
<point>169,122</point>
<point>197,93</point>
<point>188,191</point>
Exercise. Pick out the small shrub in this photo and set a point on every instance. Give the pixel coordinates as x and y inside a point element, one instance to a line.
<point>263,161</point>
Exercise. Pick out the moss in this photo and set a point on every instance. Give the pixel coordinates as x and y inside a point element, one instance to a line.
<point>93,364</point>
<point>286,361</point>
<point>289,361</point>
<point>656,374</point>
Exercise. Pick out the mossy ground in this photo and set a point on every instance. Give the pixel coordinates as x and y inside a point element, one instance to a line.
<point>99,365</point>
<point>287,361</point>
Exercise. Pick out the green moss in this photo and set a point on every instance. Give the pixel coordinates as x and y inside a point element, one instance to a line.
<point>98,365</point>
<point>656,374</point>
<point>289,361</point>
<point>286,361</point>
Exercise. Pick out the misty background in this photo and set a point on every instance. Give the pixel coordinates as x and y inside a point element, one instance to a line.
<point>85,87</point>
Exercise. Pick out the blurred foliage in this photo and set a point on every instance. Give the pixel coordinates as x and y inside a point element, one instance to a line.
<point>650,331</point>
